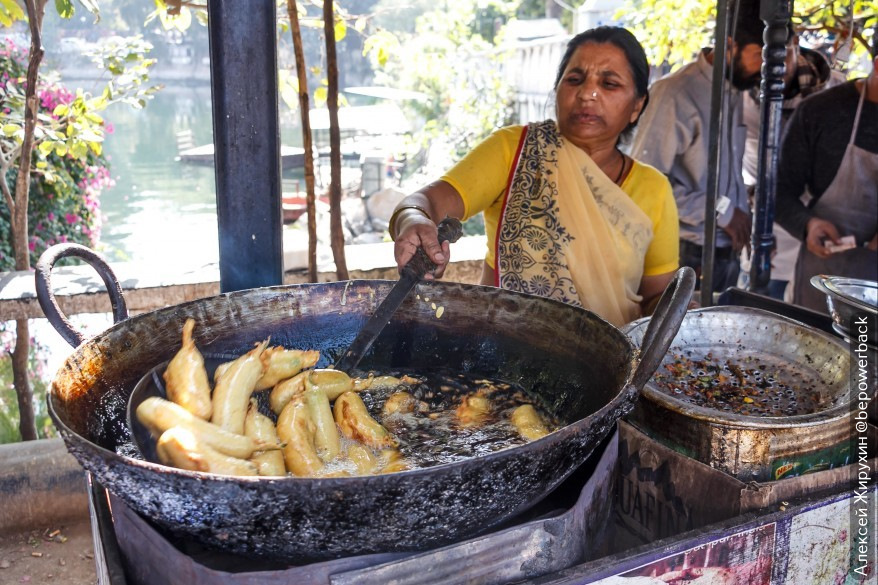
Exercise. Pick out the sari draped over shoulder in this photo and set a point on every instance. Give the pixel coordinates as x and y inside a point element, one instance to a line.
<point>568,232</point>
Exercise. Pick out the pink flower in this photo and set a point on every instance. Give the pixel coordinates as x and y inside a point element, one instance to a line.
<point>109,128</point>
<point>71,218</point>
<point>50,216</point>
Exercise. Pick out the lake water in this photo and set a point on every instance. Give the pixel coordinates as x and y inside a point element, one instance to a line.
<point>161,211</point>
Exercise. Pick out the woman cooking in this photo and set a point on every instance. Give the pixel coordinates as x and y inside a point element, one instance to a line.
<point>567,214</point>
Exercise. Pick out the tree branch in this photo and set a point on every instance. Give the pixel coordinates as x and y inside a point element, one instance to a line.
<point>35,11</point>
<point>305,113</point>
<point>335,225</point>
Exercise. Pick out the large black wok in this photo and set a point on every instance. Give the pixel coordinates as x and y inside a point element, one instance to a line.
<point>578,366</point>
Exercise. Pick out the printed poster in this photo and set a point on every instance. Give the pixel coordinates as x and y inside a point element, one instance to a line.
<point>743,558</point>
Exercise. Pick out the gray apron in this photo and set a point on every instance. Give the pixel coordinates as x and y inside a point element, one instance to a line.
<point>851,204</point>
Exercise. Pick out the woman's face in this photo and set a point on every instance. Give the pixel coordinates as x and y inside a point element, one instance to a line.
<point>596,97</point>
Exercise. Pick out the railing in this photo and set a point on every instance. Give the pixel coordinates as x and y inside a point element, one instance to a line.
<point>80,290</point>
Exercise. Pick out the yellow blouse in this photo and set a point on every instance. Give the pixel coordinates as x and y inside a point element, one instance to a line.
<point>482,176</point>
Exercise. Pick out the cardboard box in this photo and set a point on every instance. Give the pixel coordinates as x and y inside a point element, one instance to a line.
<point>662,493</point>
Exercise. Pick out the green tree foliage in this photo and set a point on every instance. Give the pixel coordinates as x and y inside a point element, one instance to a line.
<point>9,432</point>
<point>69,170</point>
<point>455,58</point>
<point>672,31</point>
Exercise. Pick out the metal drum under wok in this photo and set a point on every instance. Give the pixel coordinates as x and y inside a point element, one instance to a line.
<point>574,364</point>
<point>748,446</point>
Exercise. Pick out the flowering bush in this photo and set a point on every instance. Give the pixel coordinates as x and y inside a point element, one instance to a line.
<point>9,432</point>
<point>65,190</point>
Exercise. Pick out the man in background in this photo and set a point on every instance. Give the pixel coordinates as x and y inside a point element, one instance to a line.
<point>806,73</point>
<point>673,136</point>
<point>829,155</point>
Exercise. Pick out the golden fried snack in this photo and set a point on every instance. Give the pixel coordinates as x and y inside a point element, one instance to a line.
<point>356,423</point>
<point>261,428</point>
<point>179,447</point>
<point>283,392</point>
<point>326,438</point>
<point>281,364</point>
<point>231,397</point>
<point>334,383</point>
<point>399,402</point>
<point>473,410</point>
<point>373,381</point>
<point>363,458</point>
<point>186,379</point>
<point>393,461</point>
<point>528,422</point>
<point>158,415</point>
<point>296,429</point>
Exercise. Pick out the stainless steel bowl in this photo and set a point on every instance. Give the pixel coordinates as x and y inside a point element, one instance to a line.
<point>760,448</point>
<point>847,297</point>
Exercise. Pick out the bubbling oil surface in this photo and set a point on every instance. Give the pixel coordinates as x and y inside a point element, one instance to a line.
<point>432,433</point>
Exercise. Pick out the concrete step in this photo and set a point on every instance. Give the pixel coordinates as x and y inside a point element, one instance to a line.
<point>41,484</point>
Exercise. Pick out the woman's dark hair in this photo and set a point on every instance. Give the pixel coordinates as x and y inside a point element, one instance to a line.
<point>634,54</point>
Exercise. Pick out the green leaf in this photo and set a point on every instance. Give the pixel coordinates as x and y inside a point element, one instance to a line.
<point>340,29</point>
<point>41,164</point>
<point>10,11</point>
<point>360,24</point>
<point>92,6</point>
<point>290,97</point>
<point>90,136</point>
<point>96,147</point>
<point>60,110</point>
<point>79,150</point>
<point>60,149</point>
<point>64,8</point>
<point>320,95</point>
<point>10,129</point>
<point>46,147</point>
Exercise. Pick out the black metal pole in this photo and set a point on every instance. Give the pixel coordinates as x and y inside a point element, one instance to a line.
<point>717,96</point>
<point>246,136</point>
<point>776,14</point>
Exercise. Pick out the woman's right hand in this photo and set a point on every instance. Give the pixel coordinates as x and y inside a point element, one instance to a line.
<point>416,230</point>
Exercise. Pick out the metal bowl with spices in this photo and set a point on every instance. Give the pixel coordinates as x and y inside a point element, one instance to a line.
<point>751,393</point>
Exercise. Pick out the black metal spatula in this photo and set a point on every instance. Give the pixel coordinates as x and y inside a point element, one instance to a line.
<point>412,273</point>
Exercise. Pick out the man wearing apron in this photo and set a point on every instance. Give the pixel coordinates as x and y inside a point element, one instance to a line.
<point>830,153</point>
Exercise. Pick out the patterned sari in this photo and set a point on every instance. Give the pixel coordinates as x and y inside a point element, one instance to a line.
<point>568,232</point>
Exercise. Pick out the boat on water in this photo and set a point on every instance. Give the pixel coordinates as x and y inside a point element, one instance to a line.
<point>292,157</point>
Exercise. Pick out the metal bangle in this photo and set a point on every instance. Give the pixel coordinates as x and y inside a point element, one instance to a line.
<point>391,225</point>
